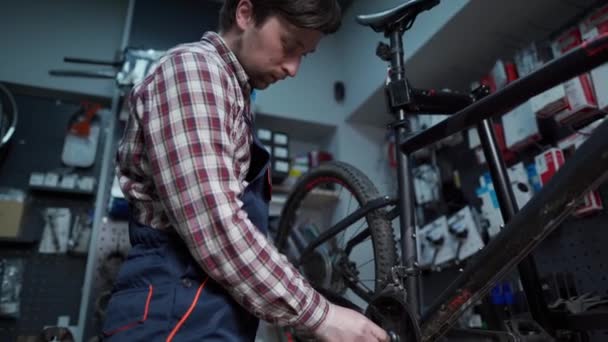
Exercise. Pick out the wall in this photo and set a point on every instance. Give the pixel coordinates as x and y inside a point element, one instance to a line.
<point>309,96</point>
<point>365,73</point>
<point>36,35</point>
<point>159,24</point>
<point>349,56</point>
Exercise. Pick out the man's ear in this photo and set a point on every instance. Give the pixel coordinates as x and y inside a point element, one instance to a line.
<point>244,15</point>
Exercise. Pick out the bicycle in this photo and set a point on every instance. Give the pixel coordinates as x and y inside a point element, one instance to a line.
<point>393,301</point>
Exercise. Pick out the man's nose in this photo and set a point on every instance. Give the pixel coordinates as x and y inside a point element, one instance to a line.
<point>291,66</point>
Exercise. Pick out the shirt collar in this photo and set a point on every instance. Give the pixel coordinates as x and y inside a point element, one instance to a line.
<point>229,58</point>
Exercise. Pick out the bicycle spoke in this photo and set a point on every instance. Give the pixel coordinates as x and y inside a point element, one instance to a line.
<point>352,270</point>
<point>351,235</point>
<point>365,263</point>
<point>361,290</point>
<point>341,239</point>
<point>356,240</point>
<point>367,288</point>
<point>343,235</point>
<point>358,229</point>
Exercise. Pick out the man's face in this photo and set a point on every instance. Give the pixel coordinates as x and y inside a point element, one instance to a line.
<point>273,50</point>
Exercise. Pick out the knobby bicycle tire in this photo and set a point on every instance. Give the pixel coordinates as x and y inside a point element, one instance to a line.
<point>361,187</point>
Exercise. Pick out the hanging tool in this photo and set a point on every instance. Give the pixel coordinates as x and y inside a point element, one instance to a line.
<point>80,146</point>
<point>130,68</point>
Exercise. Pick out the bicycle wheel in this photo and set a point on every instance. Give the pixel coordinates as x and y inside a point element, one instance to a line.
<point>319,200</point>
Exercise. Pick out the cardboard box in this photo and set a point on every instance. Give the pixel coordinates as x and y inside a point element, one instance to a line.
<point>473,138</point>
<point>599,77</point>
<point>595,23</point>
<point>280,138</point>
<point>464,219</point>
<point>507,154</point>
<point>11,212</point>
<point>265,135</point>
<point>581,101</point>
<point>503,73</point>
<point>523,190</point>
<point>547,164</point>
<point>579,90</point>
<point>549,102</point>
<point>475,145</point>
<point>532,57</point>
<point>480,155</point>
<point>591,27</point>
<point>568,40</point>
<point>280,152</point>
<point>520,127</point>
<point>499,74</point>
<point>592,202</point>
<point>426,183</point>
<point>490,205</point>
<point>533,178</point>
<point>10,218</point>
<point>520,184</point>
<point>526,60</point>
<point>491,217</point>
<point>435,231</point>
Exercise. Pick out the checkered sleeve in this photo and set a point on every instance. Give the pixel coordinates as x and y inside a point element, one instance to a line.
<point>189,142</point>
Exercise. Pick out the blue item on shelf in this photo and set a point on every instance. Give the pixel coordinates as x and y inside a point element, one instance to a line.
<point>496,296</point>
<point>507,294</point>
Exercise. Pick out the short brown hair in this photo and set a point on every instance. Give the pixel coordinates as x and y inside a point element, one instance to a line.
<point>321,15</point>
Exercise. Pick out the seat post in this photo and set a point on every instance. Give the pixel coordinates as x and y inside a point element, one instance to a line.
<point>398,89</point>
<point>397,59</point>
<point>399,97</point>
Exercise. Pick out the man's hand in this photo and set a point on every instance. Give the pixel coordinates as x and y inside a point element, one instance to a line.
<point>343,324</point>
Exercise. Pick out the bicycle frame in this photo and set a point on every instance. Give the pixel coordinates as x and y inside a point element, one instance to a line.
<point>525,229</point>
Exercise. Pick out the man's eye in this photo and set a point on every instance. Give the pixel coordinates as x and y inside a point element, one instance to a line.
<point>289,48</point>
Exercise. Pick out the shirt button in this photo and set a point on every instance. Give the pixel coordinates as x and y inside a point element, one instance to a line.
<point>187,282</point>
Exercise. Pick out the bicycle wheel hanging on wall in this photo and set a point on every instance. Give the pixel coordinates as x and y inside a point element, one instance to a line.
<point>352,264</point>
<point>8,118</point>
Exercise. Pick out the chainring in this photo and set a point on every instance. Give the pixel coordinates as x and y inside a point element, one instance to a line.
<point>389,310</point>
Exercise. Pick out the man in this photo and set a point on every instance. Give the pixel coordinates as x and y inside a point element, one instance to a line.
<point>200,268</point>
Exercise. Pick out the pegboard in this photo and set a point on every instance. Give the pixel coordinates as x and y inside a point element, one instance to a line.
<point>51,287</point>
<point>52,283</point>
<point>576,247</point>
<point>582,252</point>
<point>113,239</point>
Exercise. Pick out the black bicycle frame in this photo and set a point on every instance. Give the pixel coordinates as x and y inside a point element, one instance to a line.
<point>541,215</point>
<point>582,59</point>
<point>585,170</point>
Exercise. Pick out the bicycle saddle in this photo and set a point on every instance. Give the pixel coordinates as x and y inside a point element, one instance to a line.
<point>382,21</point>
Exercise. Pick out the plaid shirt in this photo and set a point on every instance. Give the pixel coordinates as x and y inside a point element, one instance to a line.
<point>182,164</point>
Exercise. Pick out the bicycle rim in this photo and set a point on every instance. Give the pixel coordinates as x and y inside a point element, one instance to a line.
<point>321,198</point>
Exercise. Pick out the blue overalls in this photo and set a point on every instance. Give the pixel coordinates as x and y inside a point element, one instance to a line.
<point>162,294</point>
